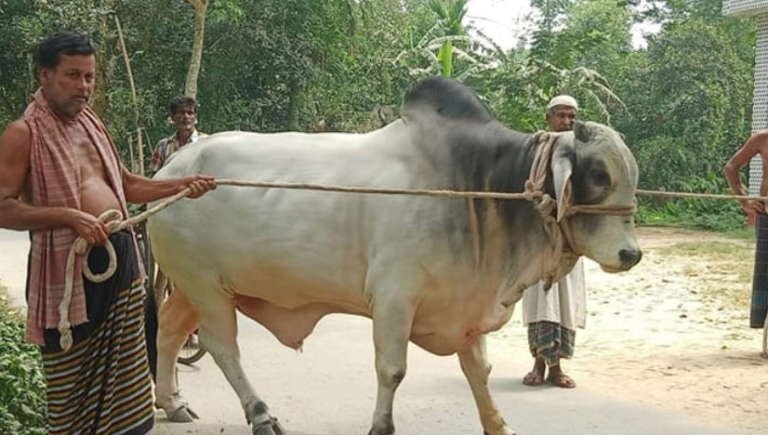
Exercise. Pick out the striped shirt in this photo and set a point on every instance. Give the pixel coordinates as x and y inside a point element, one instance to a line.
<point>168,146</point>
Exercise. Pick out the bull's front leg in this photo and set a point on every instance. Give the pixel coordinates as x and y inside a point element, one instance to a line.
<point>474,364</point>
<point>392,322</point>
<point>177,321</point>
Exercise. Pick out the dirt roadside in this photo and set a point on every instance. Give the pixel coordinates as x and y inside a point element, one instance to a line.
<point>673,332</point>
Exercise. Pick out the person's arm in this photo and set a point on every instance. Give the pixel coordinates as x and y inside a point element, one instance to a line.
<point>751,147</point>
<point>15,146</point>
<point>140,190</point>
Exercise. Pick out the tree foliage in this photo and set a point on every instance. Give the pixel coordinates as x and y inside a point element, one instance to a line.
<point>683,102</point>
<point>689,99</point>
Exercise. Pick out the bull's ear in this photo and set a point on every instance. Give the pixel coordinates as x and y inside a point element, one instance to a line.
<point>562,168</point>
<point>582,131</point>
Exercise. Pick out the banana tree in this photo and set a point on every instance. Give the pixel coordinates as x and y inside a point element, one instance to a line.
<point>450,13</point>
<point>446,41</point>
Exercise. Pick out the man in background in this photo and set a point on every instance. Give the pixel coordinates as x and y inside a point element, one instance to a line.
<point>183,115</point>
<point>184,118</point>
<point>553,315</point>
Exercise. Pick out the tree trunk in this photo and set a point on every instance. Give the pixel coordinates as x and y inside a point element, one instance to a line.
<point>134,97</point>
<point>201,6</point>
<point>100,102</point>
<point>294,103</point>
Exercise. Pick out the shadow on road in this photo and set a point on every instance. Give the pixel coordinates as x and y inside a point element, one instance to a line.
<point>164,427</point>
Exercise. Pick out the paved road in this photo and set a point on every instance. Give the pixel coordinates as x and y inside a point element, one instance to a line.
<point>330,388</point>
<point>14,246</point>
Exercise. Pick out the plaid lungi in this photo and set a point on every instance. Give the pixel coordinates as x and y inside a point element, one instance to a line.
<point>551,341</point>
<point>760,277</point>
<point>101,386</point>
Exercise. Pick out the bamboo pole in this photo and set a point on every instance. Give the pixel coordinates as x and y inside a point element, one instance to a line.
<point>149,139</point>
<point>140,141</point>
<point>141,150</point>
<point>130,149</point>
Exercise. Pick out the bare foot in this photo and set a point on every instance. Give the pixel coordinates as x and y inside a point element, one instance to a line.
<point>536,375</point>
<point>533,379</point>
<point>560,379</point>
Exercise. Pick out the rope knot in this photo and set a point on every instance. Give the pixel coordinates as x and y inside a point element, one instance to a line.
<point>547,206</point>
<point>113,220</point>
<point>530,193</point>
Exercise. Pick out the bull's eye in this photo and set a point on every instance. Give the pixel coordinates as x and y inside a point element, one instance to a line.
<point>600,177</point>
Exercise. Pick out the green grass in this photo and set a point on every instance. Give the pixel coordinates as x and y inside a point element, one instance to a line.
<point>741,234</point>
<point>721,251</point>
<point>22,383</point>
<point>737,233</point>
<point>721,269</point>
<point>721,224</point>
<point>692,214</point>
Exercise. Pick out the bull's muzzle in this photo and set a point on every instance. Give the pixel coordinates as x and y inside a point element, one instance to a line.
<point>629,258</point>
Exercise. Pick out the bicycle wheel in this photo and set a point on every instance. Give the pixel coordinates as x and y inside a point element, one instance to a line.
<point>191,353</point>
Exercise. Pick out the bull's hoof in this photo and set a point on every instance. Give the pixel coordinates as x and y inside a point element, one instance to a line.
<point>182,414</point>
<point>176,409</point>
<point>500,429</point>
<point>268,427</point>
<point>387,429</point>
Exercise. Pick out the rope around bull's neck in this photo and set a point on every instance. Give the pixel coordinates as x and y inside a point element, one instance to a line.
<point>558,231</point>
<point>547,206</point>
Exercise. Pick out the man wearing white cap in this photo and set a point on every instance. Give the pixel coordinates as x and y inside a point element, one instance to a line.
<point>561,113</point>
<point>553,315</point>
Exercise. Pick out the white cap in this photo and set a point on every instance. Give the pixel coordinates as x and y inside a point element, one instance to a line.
<point>563,100</point>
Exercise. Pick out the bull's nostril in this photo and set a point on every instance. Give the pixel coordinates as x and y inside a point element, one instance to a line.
<point>630,256</point>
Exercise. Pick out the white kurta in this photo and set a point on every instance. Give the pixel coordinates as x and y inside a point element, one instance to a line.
<point>564,303</point>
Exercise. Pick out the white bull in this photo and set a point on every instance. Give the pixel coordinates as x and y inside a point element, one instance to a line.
<point>438,272</point>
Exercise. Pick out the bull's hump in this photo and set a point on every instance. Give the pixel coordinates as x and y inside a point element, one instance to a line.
<point>447,98</point>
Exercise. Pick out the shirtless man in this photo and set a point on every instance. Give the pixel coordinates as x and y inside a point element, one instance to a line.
<point>59,171</point>
<point>756,144</point>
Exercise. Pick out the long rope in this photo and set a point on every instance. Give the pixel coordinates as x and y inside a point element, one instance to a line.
<point>446,193</point>
<point>665,194</point>
<point>558,231</point>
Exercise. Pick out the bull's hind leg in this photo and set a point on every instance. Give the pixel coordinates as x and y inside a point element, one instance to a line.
<point>177,321</point>
<point>474,364</point>
<point>218,334</point>
<point>392,322</point>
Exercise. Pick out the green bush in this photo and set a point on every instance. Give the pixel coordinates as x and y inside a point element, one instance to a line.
<point>22,383</point>
<point>707,214</point>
